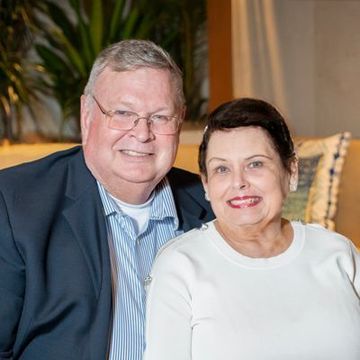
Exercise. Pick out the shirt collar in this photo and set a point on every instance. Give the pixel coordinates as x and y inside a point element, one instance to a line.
<point>163,204</point>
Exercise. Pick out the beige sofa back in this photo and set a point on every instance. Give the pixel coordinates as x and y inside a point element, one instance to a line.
<point>347,219</point>
<point>348,215</point>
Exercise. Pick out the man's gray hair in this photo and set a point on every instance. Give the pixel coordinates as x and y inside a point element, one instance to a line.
<point>130,55</point>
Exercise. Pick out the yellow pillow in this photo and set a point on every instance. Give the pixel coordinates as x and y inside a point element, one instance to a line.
<point>322,202</point>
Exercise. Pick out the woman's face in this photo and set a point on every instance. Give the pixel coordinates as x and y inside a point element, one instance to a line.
<point>246,181</point>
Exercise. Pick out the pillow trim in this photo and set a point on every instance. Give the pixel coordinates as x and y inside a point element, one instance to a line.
<point>334,177</point>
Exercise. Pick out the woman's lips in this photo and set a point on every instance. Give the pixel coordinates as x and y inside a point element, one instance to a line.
<point>241,202</point>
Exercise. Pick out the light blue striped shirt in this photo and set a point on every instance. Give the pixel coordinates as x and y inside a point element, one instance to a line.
<point>132,256</point>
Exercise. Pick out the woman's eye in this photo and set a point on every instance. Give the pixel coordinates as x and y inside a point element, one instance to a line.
<point>221,169</point>
<point>256,164</point>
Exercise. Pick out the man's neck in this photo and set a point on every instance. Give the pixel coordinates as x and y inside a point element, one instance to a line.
<point>130,193</point>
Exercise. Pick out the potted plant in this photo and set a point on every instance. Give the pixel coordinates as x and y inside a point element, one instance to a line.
<point>18,75</point>
<point>76,35</point>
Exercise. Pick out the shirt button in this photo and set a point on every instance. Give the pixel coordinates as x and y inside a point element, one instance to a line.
<point>147,281</point>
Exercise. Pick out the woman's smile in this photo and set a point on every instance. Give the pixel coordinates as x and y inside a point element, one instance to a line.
<point>240,202</point>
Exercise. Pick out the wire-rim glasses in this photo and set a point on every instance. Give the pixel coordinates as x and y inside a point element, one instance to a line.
<point>126,120</point>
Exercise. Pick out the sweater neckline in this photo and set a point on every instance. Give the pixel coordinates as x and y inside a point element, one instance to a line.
<point>260,263</point>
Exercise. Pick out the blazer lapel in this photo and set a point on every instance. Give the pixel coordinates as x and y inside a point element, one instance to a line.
<point>84,214</point>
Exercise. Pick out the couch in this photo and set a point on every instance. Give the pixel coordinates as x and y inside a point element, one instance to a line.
<point>347,219</point>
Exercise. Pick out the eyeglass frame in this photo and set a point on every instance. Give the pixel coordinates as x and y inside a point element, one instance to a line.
<point>110,113</point>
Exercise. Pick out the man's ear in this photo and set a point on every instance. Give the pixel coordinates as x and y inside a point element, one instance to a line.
<point>84,119</point>
<point>182,113</point>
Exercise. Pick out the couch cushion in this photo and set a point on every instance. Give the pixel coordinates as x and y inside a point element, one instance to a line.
<point>187,157</point>
<point>321,207</point>
<point>348,210</point>
<point>11,155</point>
<point>347,218</point>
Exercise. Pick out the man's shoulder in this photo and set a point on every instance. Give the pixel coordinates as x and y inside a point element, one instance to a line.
<point>185,182</point>
<point>189,198</point>
<point>183,178</point>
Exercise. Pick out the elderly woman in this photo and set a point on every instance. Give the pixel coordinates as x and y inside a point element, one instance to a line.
<point>250,284</point>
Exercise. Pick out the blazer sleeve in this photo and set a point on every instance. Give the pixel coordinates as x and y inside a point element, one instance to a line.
<point>12,284</point>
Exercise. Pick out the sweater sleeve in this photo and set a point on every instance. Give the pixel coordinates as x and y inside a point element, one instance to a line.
<point>168,318</point>
<point>355,273</point>
<point>12,285</point>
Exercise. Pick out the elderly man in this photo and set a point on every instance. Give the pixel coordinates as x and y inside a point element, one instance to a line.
<point>79,229</point>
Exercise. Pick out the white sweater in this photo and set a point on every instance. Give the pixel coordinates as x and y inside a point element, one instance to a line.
<point>208,302</point>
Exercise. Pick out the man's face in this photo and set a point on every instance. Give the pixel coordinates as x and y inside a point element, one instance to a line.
<point>129,159</point>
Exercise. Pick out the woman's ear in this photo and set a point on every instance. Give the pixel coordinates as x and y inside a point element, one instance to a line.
<point>204,182</point>
<point>294,176</point>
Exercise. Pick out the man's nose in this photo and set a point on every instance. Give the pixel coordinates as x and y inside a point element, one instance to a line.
<point>142,129</point>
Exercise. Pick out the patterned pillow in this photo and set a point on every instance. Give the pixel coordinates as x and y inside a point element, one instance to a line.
<point>296,204</point>
<point>322,201</point>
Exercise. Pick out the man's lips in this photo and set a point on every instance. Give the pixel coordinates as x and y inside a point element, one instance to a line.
<point>240,202</point>
<point>135,153</point>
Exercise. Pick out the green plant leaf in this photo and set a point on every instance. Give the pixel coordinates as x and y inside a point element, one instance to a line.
<point>96,25</point>
<point>130,22</point>
<point>63,22</point>
<point>73,55</point>
<point>52,61</point>
<point>116,20</point>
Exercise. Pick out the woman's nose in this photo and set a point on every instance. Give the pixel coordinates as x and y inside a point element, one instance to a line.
<point>240,181</point>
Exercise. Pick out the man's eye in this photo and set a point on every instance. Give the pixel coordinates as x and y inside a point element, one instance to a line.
<point>124,114</point>
<point>160,118</point>
<point>256,164</point>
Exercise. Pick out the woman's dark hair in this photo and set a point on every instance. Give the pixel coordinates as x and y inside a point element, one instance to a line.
<point>249,112</point>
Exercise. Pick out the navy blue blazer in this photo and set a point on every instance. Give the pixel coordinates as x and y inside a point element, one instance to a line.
<point>55,278</point>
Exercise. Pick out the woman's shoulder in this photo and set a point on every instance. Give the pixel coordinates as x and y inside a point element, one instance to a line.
<point>318,234</point>
<point>313,228</point>
<point>186,241</point>
<point>186,246</point>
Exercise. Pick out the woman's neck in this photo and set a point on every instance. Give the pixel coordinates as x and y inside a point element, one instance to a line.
<point>256,241</point>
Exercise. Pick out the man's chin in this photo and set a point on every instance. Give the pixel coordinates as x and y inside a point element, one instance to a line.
<point>139,178</point>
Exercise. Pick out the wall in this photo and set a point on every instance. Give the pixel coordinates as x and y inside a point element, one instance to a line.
<point>320,48</point>
<point>301,55</point>
<point>337,61</point>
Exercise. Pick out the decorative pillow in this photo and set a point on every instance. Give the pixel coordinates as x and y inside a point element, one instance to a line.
<point>296,204</point>
<point>321,206</point>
